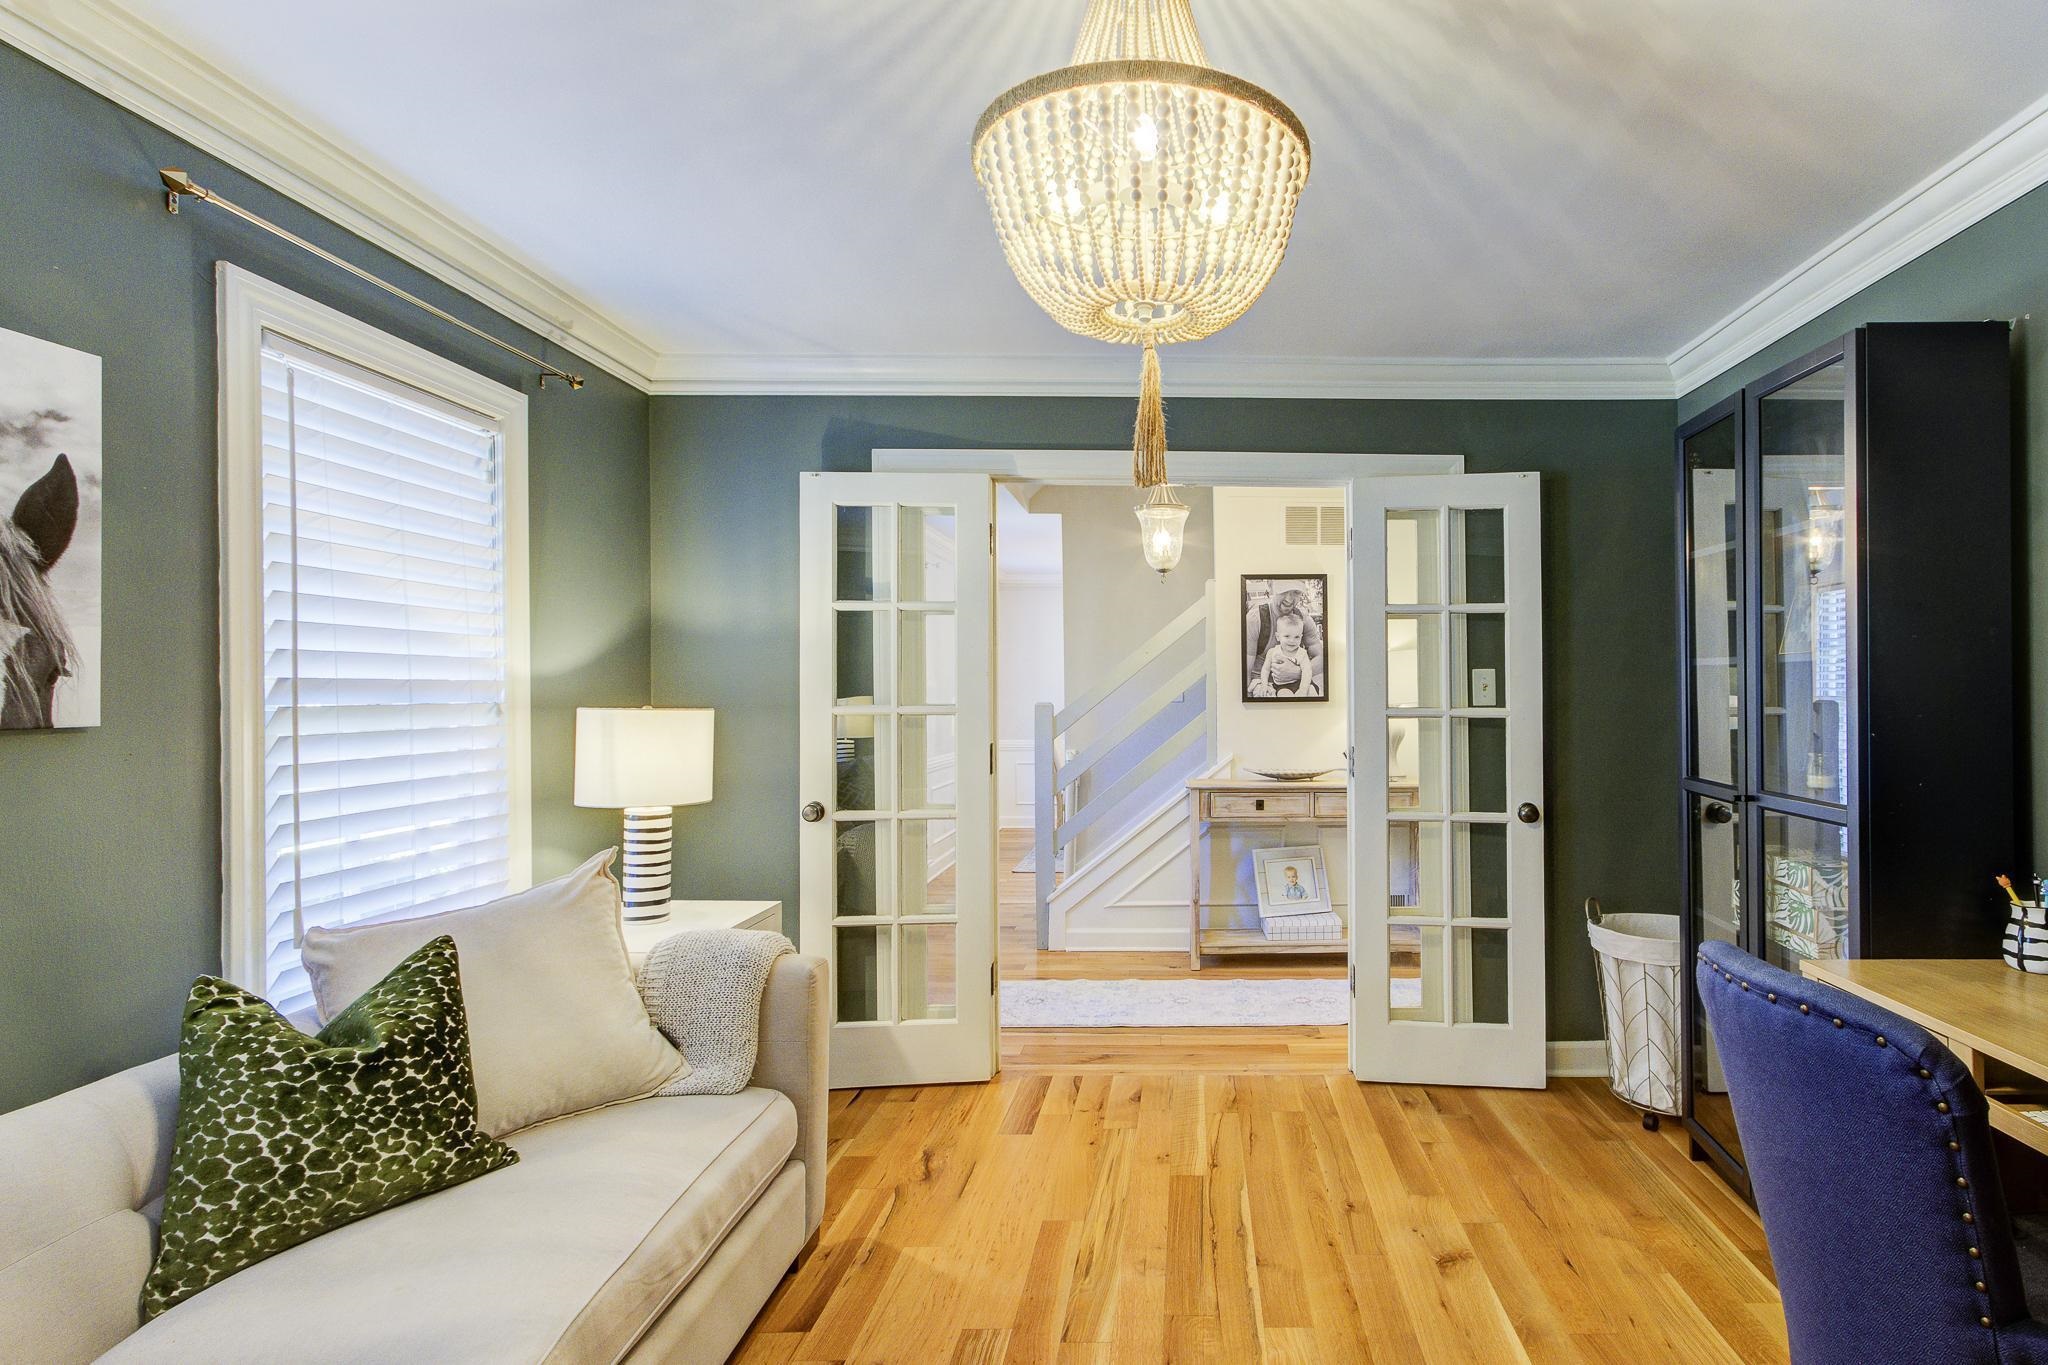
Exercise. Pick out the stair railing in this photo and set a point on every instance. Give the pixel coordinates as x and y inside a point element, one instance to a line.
<point>1138,738</point>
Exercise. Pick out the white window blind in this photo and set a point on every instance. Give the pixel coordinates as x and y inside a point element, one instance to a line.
<point>386,622</point>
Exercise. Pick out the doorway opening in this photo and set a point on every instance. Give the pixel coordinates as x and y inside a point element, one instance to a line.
<point>1118,692</point>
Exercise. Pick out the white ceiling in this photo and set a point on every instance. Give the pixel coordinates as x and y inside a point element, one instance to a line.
<point>738,183</point>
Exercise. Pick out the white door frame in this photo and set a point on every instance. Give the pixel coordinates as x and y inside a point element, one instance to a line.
<point>1448,1052</point>
<point>887,1049</point>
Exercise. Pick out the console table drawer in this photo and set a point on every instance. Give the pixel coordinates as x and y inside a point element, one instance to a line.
<point>1332,805</point>
<point>1280,806</point>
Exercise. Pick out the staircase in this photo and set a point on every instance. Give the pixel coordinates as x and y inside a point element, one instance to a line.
<point>1110,765</point>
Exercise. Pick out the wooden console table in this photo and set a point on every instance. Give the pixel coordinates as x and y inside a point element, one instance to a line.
<point>1255,802</point>
<point>1993,1018</point>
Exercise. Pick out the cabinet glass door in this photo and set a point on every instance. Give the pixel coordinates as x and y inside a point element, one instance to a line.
<point>1802,432</point>
<point>1713,599</point>
<point>1714,839</point>
<point>1805,889</point>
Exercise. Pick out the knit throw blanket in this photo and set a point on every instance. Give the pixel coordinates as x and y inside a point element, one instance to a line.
<point>702,988</point>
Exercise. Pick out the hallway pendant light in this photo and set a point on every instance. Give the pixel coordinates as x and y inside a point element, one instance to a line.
<point>1162,528</point>
<point>1142,196</point>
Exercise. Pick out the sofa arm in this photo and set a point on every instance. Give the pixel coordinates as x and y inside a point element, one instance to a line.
<point>794,1031</point>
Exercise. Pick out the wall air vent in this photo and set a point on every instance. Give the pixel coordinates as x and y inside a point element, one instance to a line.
<point>1312,524</point>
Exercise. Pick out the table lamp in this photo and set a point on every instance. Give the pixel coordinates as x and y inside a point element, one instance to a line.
<point>645,761</point>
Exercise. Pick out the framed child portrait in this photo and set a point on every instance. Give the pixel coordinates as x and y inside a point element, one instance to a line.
<point>1286,638</point>
<point>1291,881</point>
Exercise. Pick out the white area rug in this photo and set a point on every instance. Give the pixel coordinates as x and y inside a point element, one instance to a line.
<point>1183,1003</point>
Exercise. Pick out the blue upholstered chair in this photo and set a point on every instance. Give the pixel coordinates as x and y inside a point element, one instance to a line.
<point>1869,1150</point>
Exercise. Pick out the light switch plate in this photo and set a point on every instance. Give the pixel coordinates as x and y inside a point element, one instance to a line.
<point>1482,688</point>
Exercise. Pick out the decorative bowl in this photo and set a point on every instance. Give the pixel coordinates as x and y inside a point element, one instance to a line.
<point>1291,774</point>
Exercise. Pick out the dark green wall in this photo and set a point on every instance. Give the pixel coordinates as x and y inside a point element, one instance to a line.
<point>1997,268</point>
<point>109,838</point>
<point>724,477</point>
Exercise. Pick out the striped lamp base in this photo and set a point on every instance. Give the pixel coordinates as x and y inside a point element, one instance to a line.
<point>649,853</point>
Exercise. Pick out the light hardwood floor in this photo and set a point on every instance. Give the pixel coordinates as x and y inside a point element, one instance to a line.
<point>1218,1217</point>
<point>1123,1196</point>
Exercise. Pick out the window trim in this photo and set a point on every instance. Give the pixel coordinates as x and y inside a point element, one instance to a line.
<point>248,306</point>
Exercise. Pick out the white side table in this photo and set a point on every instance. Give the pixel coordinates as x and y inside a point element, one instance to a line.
<point>642,935</point>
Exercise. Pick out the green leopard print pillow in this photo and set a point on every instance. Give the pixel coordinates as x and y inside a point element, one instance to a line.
<point>282,1137</point>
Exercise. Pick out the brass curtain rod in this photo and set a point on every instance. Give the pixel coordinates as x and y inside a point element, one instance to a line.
<point>177,184</point>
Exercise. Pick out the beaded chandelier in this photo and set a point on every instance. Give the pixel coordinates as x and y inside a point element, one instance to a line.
<point>1141,195</point>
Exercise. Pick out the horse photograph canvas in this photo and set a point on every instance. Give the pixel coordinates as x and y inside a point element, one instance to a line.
<point>50,514</point>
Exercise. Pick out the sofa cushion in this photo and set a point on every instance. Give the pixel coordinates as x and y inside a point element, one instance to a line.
<point>282,1137</point>
<point>555,1021</point>
<point>567,1256</point>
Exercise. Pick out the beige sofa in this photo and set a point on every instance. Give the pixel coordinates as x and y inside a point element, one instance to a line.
<point>648,1231</point>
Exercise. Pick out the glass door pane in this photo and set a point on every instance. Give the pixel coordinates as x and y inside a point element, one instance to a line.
<point>895,750</point>
<point>1714,591</point>
<point>1714,834</point>
<point>1802,433</point>
<point>1448,724</point>
<point>1806,889</point>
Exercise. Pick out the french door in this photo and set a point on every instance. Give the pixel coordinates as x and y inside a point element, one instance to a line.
<point>896,638</point>
<point>1447,945</point>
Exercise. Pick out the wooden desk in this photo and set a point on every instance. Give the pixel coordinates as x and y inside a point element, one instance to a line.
<point>1993,1018</point>
<point>1255,802</point>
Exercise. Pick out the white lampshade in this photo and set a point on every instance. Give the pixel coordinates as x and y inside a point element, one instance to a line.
<point>642,756</point>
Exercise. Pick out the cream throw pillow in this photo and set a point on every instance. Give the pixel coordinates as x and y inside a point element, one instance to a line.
<point>555,1021</point>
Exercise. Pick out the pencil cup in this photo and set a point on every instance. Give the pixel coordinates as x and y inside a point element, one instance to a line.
<point>2026,938</point>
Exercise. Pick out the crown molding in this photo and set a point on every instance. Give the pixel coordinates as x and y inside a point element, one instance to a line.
<point>139,68</point>
<point>1986,177</point>
<point>1113,372</point>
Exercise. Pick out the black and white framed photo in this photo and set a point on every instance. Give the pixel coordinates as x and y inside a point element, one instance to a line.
<point>1292,881</point>
<point>49,535</point>
<point>1286,638</point>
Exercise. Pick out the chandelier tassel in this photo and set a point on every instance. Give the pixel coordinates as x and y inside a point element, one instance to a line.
<point>1148,441</point>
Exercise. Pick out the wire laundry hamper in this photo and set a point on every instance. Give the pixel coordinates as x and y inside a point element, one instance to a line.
<point>1637,960</point>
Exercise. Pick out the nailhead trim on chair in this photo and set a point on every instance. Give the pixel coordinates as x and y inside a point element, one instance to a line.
<point>1940,1105</point>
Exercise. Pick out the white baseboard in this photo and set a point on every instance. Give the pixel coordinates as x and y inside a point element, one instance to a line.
<point>1586,1057</point>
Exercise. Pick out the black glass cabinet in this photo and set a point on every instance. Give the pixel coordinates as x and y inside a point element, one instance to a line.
<point>1847,665</point>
